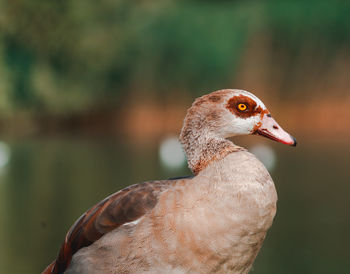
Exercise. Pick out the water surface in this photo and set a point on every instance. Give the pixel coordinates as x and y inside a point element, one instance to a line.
<point>48,183</point>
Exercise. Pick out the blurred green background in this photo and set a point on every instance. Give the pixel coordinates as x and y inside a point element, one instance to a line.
<point>91,91</point>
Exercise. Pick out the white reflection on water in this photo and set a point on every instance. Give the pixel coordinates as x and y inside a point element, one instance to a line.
<point>266,155</point>
<point>171,153</point>
<point>5,153</point>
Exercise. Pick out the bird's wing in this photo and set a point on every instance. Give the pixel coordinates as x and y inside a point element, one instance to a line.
<point>124,206</point>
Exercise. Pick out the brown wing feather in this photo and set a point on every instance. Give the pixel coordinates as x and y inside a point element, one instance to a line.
<point>122,207</point>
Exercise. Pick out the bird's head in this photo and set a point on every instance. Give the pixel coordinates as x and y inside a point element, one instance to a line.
<point>232,112</point>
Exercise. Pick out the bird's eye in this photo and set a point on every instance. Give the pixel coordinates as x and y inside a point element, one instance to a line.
<point>242,107</point>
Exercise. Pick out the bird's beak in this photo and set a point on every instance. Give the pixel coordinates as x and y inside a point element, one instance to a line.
<point>270,129</point>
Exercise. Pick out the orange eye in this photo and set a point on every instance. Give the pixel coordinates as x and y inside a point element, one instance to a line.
<point>242,107</point>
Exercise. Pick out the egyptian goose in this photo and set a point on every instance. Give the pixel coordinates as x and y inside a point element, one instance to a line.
<point>214,221</point>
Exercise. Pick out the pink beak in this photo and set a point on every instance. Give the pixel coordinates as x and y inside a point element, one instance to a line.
<point>270,129</point>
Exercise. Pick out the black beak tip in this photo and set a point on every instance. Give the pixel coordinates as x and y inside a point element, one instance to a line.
<point>295,141</point>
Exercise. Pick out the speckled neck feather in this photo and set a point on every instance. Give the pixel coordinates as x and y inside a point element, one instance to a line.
<point>198,136</point>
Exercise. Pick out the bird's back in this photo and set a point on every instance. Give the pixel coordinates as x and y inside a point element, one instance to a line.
<point>124,206</point>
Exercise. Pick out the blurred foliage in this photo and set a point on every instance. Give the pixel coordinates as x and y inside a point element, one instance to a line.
<point>70,56</point>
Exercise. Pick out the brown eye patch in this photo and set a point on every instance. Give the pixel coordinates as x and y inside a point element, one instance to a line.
<point>243,106</point>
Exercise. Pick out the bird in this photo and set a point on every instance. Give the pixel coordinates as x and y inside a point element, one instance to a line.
<point>214,221</point>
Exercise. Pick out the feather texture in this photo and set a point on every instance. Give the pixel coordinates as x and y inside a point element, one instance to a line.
<point>122,207</point>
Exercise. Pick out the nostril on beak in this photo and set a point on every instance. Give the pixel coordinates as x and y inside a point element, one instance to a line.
<point>275,127</point>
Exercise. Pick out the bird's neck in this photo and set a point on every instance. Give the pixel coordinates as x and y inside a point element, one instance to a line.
<point>202,147</point>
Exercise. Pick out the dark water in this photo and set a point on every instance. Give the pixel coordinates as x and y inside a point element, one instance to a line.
<point>47,184</point>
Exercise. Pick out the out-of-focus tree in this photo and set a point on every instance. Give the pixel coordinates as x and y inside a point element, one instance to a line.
<point>70,56</point>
